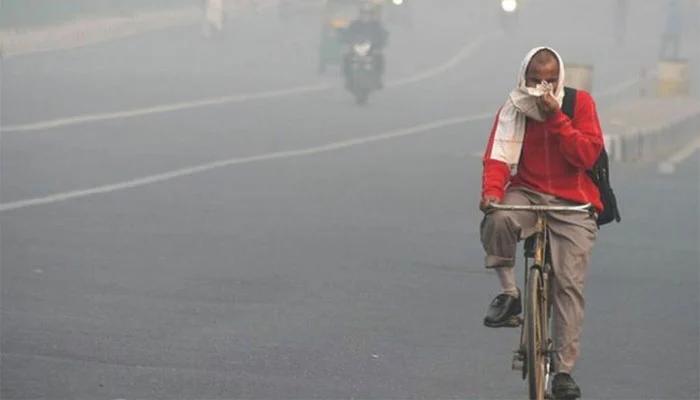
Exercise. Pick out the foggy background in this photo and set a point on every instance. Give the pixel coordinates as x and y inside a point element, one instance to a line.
<point>184,216</point>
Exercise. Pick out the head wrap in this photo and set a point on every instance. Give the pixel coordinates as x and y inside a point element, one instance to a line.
<point>521,104</point>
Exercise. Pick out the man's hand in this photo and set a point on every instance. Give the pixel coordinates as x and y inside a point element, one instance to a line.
<point>548,105</point>
<point>486,202</point>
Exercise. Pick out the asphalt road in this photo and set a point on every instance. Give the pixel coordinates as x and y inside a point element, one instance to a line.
<point>340,263</point>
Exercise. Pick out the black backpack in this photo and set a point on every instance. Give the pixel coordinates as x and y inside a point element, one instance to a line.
<point>600,173</point>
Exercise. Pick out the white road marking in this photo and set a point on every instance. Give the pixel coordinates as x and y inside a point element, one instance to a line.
<point>461,55</point>
<point>237,98</point>
<point>152,179</point>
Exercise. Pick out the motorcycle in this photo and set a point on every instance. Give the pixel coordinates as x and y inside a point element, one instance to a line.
<point>363,76</point>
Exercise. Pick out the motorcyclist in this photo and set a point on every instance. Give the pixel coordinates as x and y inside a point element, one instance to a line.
<point>366,28</point>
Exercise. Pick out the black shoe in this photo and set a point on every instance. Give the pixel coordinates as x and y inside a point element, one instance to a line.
<point>504,311</point>
<point>564,387</point>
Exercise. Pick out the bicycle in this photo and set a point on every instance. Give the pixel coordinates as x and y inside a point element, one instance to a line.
<point>535,354</point>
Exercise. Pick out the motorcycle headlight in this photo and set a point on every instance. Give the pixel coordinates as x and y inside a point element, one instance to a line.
<point>362,49</point>
<point>397,2</point>
<point>509,5</point>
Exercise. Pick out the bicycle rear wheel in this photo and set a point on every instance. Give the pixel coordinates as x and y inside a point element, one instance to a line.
<point>536,358</point>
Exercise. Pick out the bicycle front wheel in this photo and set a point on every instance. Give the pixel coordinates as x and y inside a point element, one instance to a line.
<point>535,338</point>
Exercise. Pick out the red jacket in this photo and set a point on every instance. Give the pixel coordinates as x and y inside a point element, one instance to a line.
<point>556,154</point>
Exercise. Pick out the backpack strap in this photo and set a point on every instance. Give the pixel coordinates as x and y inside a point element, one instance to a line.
<point>569,103</point>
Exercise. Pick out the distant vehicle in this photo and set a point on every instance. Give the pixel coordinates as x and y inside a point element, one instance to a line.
<point>509,6</point>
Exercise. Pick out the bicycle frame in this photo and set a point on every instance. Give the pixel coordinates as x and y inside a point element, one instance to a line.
<point>535,355</point>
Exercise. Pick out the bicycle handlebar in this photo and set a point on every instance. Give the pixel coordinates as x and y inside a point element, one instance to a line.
<point>580,208</point>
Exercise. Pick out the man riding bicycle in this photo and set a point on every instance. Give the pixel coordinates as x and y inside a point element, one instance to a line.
<point>549,154</point>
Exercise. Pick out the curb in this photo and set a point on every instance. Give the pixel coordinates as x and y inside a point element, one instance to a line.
<point>87,32</point>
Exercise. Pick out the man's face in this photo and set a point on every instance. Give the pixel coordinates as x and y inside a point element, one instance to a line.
<point>547,71</point>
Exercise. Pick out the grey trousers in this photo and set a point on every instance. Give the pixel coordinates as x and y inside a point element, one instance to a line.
<point>572,236</point>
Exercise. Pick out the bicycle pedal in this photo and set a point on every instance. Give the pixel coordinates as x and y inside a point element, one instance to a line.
<point>514,322</point>
<point>517,365</point>
<point>518,361</point>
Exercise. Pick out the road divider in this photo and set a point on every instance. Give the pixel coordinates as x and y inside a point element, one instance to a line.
<point>649,129</point>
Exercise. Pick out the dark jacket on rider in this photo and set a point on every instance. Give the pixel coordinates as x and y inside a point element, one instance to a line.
<point>372,31</point>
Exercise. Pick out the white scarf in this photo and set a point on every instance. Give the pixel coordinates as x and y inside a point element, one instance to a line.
<point>521,103</point>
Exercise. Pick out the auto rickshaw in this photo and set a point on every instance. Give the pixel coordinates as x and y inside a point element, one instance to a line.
<point>337,16</point>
